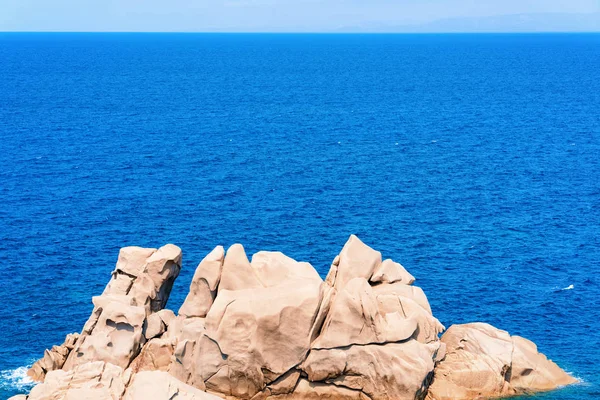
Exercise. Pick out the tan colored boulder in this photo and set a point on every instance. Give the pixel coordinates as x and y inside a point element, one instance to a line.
<point>483,361</point>
<point>356,260</point>
<point>203,288</point>
<point>273,268</point>
<point>53,359</point>
<point>391,272</point>
<point>237,273</point>
<point>306,390</point>
<point>156,355</point>
<point>478,357</point>
<point>285,383</point>
<point>359,314</point>
<point>18,397</point>
<point>354,318</point>
<point>95,380</point>
<point>157,323</point>
<point>116,336</point>
<point>255,331</point>
<point>389,371</point>
<point>532,372</point>
<point>153,286</point>
<point>414,293</point>
<point>254,336</point>
<point>147,275</point>
<point>140,285</point>
<point>160,385</point>
<point>132,259</point>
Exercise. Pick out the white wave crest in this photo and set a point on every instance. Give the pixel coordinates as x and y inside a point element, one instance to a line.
<point>16,379</point>
<point>570,287</point>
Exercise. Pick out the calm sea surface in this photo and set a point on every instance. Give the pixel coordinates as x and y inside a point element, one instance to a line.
<point>474,160</point>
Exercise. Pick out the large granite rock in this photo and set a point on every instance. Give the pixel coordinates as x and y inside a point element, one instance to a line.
<point>271,328</point>
<point>482,361</point>
<point>114,333</point>
<point>257,329</point>
<point>379,341</point>
<point>203,288</point>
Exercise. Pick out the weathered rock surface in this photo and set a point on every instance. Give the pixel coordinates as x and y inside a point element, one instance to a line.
<point>256,330</point>
<point>356,260</point>
<point>93,380</point>
<point>482,361</point>
<point>271,328</point>
<point>53,359</point>
<point>140,285</point>
<point>390,272</point>
<point>160,385</point>
<point>203,288</point>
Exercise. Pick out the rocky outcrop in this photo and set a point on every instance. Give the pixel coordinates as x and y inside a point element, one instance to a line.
<point>482,361</point>
<point>271,328</point>
<point>122,315</point>
<point>257,329</point>
<point>92,380</point>
<point>53,359</point>
<point>140,286</point>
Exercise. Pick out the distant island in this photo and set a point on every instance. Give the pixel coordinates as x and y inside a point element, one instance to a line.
<point>513,23</point>
<point>271,328</point>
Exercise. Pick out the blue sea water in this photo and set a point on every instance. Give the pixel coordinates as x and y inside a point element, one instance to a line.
<point>474,160</point>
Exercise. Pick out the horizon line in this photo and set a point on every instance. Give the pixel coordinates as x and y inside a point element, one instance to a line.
<point>367,32</point>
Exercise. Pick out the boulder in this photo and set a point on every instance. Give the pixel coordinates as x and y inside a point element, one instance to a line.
<point>140,285</point>
<point>147,275</point>
<point>157,323</point>
<point>94,381</point>
<point>483,361</point>
<point>355,318</point>
<point>203,288</point>
<point>387,371</point>
<point>160,385</point>
<point>306,390</point>
<point>273,268</point>
<point>391,272</point>
<point>258,328</point>
<point>356,260</point>
<point>116,334</point>
<point>53,359</point>
<point>378,341</point>
<point>237,273</point>
<point>414,293</point>
<point>532,372</point>
<point>156,355</point>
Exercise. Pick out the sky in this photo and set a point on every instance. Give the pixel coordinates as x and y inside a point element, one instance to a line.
<point>299,15</point>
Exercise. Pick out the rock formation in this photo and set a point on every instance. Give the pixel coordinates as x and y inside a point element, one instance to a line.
<point>483,361</point>
<point>53,359</point>
<point>271,328</point>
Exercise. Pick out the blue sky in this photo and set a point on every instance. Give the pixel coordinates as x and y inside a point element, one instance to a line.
<point>288,15</point>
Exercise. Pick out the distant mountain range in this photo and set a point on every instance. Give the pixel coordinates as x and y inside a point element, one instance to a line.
<point>543,22</point>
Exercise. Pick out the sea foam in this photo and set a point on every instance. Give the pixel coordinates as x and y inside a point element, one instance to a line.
<point>16,379</point>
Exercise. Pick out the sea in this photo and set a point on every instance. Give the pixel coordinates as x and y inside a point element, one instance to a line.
<point>472,159</point>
